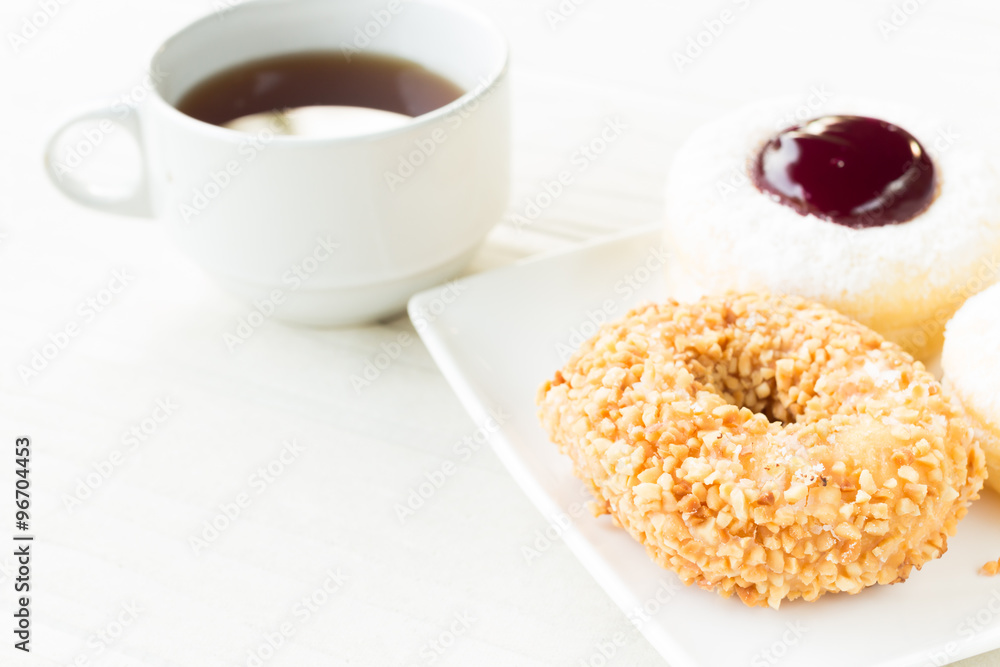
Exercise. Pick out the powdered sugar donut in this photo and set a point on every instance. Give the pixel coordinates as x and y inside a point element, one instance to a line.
<point>971,363</point>
<point>903,279</point>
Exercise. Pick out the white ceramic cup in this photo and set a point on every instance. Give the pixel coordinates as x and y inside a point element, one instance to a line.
<point>343,230</point>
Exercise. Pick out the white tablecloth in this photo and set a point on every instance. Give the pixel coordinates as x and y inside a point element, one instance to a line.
<point>196,505</point>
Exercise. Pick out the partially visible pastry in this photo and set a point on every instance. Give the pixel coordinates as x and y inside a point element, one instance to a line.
<point>971,363</point>
<point>875,211</point>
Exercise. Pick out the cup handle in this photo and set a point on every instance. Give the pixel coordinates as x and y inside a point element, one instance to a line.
<point>134,203</point>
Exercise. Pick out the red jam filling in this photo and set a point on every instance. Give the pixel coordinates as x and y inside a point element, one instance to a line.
<point>851,170</point>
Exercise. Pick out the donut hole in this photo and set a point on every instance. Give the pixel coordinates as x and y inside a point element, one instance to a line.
<point>753,392</point>
<point>744,377</point>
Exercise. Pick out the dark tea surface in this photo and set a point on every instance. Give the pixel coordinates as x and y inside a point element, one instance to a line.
<point>318,78</point>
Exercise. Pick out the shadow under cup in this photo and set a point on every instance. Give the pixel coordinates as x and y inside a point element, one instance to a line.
<point>336,230</point>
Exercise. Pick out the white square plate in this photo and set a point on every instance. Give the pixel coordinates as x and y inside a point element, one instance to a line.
<point>510,329</point>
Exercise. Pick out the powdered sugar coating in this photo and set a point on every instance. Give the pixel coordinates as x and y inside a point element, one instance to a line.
<point>904,280</point>
<point>971,363</point>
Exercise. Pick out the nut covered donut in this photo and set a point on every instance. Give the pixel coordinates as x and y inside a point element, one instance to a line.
<point>765,445</point>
